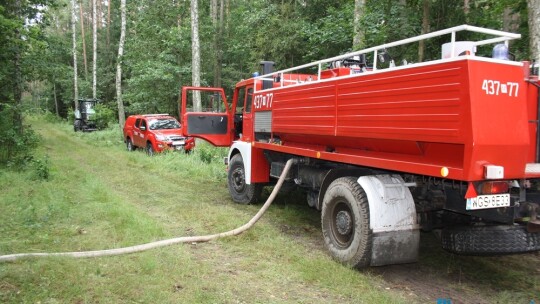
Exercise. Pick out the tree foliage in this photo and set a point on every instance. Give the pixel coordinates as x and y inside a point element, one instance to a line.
<point>157,56</point>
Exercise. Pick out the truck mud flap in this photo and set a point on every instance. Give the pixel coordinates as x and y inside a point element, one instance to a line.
<point>396,234</point>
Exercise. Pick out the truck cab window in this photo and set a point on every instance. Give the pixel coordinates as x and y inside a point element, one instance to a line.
<point>241,101</point>
<point>205,101</point>
<point>238,119</point>
<point>249,100</point>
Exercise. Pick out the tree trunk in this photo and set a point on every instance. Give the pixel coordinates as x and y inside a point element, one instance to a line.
<point>219,54</point>
<point>359,37</point>
<point>94,38</point>
<point>83,36</point>
<point>100,14</point>
<point>55,99</point>
<point>217,19</point>
<point>534,29</point>
<point>121,113</point>
<point>466,9</point>
<point>108,24</point>
<point>215,25</point>
<point>75,84</point>
<point>425,29</point>
<point>195,54</point>
<point>18,81</point>
<point>213,11</point>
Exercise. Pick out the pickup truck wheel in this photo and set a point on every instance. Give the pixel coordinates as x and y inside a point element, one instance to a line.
<point>241,192</point>
<point>345,223</point>
<point>129,145</point>
<point>489,240</point>
<point>149,149</point>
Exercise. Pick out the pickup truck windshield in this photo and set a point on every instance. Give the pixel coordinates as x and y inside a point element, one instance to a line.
<point>160,124</point>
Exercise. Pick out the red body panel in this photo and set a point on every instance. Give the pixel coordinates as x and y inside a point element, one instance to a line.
<point>258,161</point>
<point>415,120</point>
<point>532,105</point>
<point>140,138</point>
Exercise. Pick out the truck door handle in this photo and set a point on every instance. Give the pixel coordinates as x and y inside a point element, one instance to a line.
<point>202,116</point>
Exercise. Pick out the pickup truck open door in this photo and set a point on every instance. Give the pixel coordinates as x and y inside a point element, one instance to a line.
<point>206,114</point>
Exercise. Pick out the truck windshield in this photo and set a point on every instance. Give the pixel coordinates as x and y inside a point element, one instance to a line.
<point>159,124</point>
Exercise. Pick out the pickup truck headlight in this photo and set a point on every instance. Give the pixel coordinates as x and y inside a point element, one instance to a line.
<point>162,138</point>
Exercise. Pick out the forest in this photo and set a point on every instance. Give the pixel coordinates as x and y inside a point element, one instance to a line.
<point>53,52</point>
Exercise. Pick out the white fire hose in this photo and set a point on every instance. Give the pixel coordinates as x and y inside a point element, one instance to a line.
<point>162,243</point>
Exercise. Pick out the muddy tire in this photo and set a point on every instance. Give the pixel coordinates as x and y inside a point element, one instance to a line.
<point>345,223</point>
<point>149,149</point>
<point>489,240</point>
<point>129,145</point>
<point>241,192</point>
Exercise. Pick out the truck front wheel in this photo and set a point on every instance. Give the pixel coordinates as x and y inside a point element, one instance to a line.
<point>240,191</point>
<point>149,149</point>
<point>345,223</point>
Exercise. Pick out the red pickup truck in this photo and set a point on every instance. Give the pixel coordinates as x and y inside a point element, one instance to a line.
<point>155,133</point>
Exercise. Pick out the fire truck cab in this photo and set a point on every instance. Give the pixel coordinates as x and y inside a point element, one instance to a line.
<point>385,150</point>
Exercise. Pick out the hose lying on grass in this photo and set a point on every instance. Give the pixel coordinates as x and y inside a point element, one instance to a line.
<point>162,243</point>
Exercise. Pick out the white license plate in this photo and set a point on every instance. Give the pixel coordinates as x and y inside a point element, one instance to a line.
<point>178,143</point>
<point>488,201</point>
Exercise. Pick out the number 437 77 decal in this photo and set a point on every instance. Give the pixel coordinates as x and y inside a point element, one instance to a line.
<point>496,87</point>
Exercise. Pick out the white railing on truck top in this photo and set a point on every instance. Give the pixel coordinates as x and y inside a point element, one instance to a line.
<point>501,36</point>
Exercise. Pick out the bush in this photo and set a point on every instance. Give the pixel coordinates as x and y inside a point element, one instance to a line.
<point>52,118</point>
<point>104,116</point>
<point>208,153</point>
<point>41,168</point>
<point>17,141</point>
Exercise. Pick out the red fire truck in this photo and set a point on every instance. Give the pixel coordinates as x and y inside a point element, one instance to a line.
<point>385,150</point>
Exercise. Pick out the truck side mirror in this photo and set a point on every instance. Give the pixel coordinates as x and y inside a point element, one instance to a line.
<point>142,128</point>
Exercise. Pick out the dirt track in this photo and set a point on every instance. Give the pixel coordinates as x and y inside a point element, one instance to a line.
<point>441,275</point>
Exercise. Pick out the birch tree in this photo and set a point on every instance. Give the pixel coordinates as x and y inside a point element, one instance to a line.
<point>83,36</point>
<point>121,113</point>
<point>74,30</point>
<point>534,29</point>
<point>94,38</point>
<point>195,55</point>
<point>359,36</point>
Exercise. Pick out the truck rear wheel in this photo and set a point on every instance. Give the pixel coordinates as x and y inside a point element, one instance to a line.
<point>240,191</point>
<point>345,223</point>
<point>129,145</point>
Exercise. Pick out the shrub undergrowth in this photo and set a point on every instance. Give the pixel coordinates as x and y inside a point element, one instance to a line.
<point>17,140</point>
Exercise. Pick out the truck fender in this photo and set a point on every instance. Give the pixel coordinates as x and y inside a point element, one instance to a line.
<point>256,166</point>
<point>334,174</point>
<point>244,148</point>
<point>392,217</point>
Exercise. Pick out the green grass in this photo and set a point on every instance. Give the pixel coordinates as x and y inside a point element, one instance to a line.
<point>99,196</point>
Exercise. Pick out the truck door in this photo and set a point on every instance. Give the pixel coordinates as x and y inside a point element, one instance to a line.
<point>243,118</point>
<point>248,116</point>
<point>137,132</point>
<point>206,114</point>
<point>140,139</point>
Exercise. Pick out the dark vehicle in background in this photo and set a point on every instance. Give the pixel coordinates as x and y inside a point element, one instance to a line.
<point>84,116</point>
<point>155,133</point>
